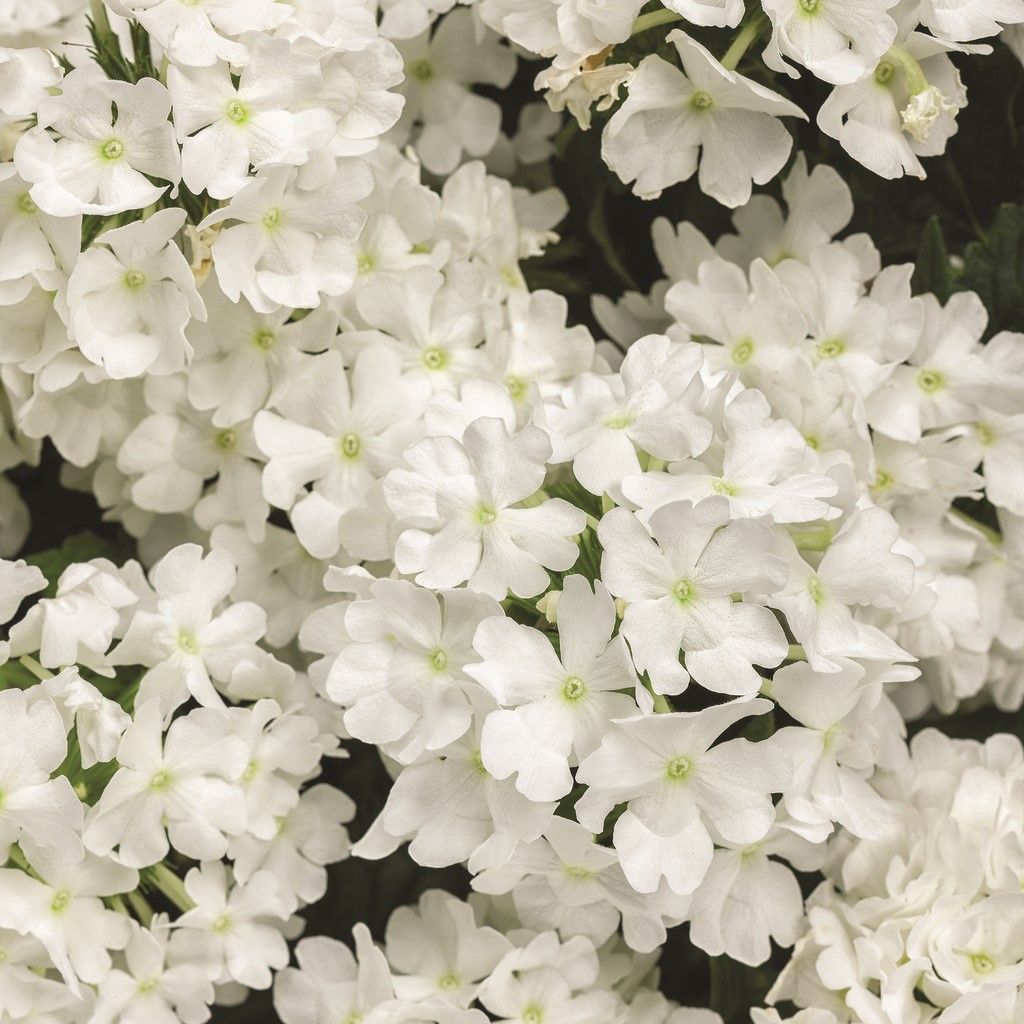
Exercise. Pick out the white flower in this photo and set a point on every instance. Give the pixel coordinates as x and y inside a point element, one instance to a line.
<point>330,981</point>
<point>403,675</point>
<point>99,164</point>
<point>651,407</point>
<point>859,568</point>
<point>77,624</point>
<point>837,40</point>
<point>548,980</point>
<point>17,581</point>
<point>340,432</point>
<point>224,128</point>
<point>678,580</point>
<point>231,931</point>
<point>98,721</point>
<point>562,703</point>
<point>654,137</point>
<point>150,988</point>
<point>201,32</point>
<point>440,70</point>
<point>183,642</point>
<point>662,768</point>
<point>294,237</point>
<point>462,495</point>
<point>869,116</point>
<point>246,361</point>
<point>439,950</point>
<point>131,301</point>
<point>26,77</point>
<point>33,805</point>
<point>61,906</point>
<point>311,835</point>
<point>452,809</point>
<point>177,788</point>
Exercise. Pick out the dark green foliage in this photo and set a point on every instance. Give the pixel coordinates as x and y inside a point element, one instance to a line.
<point>994,268</point>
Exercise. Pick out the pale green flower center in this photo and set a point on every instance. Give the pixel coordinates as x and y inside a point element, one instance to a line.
<point>478,763</point>
<point>264,340</point>
<point>271,220</point>
<point>809,6</point>
<point>701,100</point>
<point>160,780</point>
<point>251,770</point>
<point>574,688</point>
<point>236,112</point>
<point>448,983</point>
<point>577,873</point>
<point>831,349</point>
<point>618,422</point>
<point>882,479</point>
<point>929,381</point>
<point>221,924</point>
<point>683,592</point>
<point>227,440</point>
<point>533,1014</point>
<point>148,985</point>
<point>485,516</point>
<point>439,660</point>
<point>365,264</point>
<point>25,204</point>
<point>742,352</point>
<point>422,70</point>
<point>434,358</point>
<point>350,445</point>
<point>816,589</point>
<point>828,737</point>
<point>134,279</point>
<point>722,487</point>
<point>187,643</point>
<point>61,898</point>
<point>678,768</point>
<point>112,149</point>
<point>982,963</point>
<point>985,433</point>
<point>516,386</point>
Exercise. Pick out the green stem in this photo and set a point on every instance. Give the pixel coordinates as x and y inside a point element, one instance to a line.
<point>171,886</point>
<point>35,668</point>
<point>98,11</point>
<point>916,80</point>
<point>535,499</point>
<point>992,536</point>
<point>796,652</point>
<point>140,905</point>
<point>661,704</point>
<point>117,903</point>
<point>743,41</point>
<point>653,20</point>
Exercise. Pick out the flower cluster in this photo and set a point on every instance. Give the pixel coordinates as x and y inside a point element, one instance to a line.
<point>635,624</point>
<point>925,921</point>
<point>447,962</point>
<point>107,795</point>
<point>894,98</point>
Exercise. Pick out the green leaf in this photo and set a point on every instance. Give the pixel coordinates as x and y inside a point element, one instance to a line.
<point>736,987</point>
<point>995,270</point>
<point>597,227</point>
<point>932,271</point>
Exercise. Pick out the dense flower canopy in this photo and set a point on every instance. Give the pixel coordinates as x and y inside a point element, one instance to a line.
<point>481,443</point>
